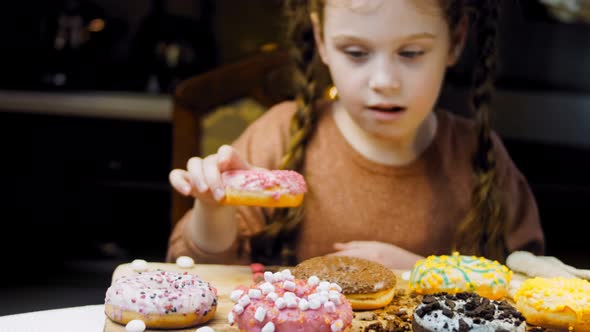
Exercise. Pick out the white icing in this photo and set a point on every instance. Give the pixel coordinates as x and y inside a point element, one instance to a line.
<point>135,325</point>
<point>156,292</point>
<point>139,265</point>
<point>185,262</point>
<point>406,275</point>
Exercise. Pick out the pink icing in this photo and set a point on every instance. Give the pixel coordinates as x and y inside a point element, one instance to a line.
<point>259,180</point>
<point>160,292</point>
<point>288,319</point>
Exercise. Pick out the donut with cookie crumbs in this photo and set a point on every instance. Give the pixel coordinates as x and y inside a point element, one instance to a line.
<point>465,312</point>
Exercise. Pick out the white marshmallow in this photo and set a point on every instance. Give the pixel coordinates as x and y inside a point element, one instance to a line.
<point>323,286</point>
<point>235,295</point>
<point>313,281</point>
<point>244,301</point>
<point>205,329</point>
<point>269,327</point>
<point>334,296</point>
<point>289,285</point>
<point>266,288</point>
<point>230,318</point>
<point>336,287</point>
<point>272,296</point>
<point>185,262</point>
<point>303,305</point>
<point>277,277</point>
<point>238,309</point>
<point>280,303</point>
<point>291,302</point>
<point>136,325</point>
<point>268,277</point>
<point>255,293</point>
<point>260,314</point>
<point>139,265</point>
<point>314,304</point>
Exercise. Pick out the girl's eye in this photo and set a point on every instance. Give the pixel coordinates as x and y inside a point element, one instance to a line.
<point>411,54</point>
<point>356,54</point>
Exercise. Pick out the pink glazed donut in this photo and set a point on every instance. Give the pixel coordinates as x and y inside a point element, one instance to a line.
<point>283,303</point>
<point>161,299</point>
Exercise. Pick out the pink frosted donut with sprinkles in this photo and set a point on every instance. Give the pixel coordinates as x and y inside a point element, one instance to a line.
<point>282,303</point>
<point>161,299</point>
<point>262,187</point>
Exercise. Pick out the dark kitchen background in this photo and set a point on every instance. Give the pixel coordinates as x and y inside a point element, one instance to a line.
<point>85,134</point>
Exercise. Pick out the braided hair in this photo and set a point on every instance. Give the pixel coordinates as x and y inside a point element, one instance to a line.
<point>482,230</point>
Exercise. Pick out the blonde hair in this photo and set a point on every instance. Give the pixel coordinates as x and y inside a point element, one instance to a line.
<point>483,229</point>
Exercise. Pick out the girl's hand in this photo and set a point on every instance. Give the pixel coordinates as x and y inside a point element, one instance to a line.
<point>387,254</point>
<point>202,179</point>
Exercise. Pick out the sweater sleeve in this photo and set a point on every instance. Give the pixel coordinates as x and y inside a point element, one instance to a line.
<point>525,232</point>
<point>262,144</point>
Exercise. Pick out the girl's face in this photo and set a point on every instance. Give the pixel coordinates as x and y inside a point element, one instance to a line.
<point>387,58</point>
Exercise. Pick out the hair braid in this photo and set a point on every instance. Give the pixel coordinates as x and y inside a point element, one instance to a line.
<point>280,232</point>
<point>482,230</point>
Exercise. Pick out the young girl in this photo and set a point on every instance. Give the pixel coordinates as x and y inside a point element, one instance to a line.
<point>390,178</point>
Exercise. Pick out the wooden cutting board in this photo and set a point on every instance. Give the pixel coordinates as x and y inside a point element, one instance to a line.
<point>226,278</point>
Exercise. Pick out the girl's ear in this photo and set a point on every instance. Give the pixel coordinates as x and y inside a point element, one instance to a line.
<point>458,39</point>
<point>317,34</point>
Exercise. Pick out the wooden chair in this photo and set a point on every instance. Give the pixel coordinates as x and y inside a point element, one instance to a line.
<point>264,77</point>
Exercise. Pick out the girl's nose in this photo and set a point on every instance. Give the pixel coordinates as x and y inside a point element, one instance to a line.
<point>385,79</point>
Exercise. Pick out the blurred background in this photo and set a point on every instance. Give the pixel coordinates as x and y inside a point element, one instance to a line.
<point>86,92</point>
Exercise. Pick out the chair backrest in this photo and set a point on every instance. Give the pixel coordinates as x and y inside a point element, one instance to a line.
<point>263,77</point>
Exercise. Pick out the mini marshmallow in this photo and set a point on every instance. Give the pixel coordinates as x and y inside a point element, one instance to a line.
<point>266,288</point>
<point>334,296</point>
<point>286,274</point>
<point>280,303</point>
<point>135,325</point>
<point>139,265</point>
<point>238,309</point>
<point>185,262</point>
<point>269,327</point>
<point>287,295</point>
<point>244,301</point>
<point>277,277</point>
<point>255,293</point>
<point>314,304</point>
<point>335,286</point>
<point>268,277</point>
<point>323,286</point>
<point>235,295</point>
<point>291,302</point>
<point>303,305</point>
<point>230,318</point>
<point>272,296</point>
<point>313,281</point>
<point>289,285</point>
<point>260,314</point>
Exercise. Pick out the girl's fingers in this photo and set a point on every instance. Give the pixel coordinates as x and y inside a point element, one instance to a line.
<point>180,180</point>
<point>229,159</point>
<point>195,170</point>
<point>213,177</point>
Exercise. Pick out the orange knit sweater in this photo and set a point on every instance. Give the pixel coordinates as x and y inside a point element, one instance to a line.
<point>415,206</point>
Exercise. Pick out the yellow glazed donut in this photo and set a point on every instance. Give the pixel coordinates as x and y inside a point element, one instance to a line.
<point>558,303</point>
<point>457,273</point>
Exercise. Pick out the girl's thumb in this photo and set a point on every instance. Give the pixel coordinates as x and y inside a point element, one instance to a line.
<point>228,159</point>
